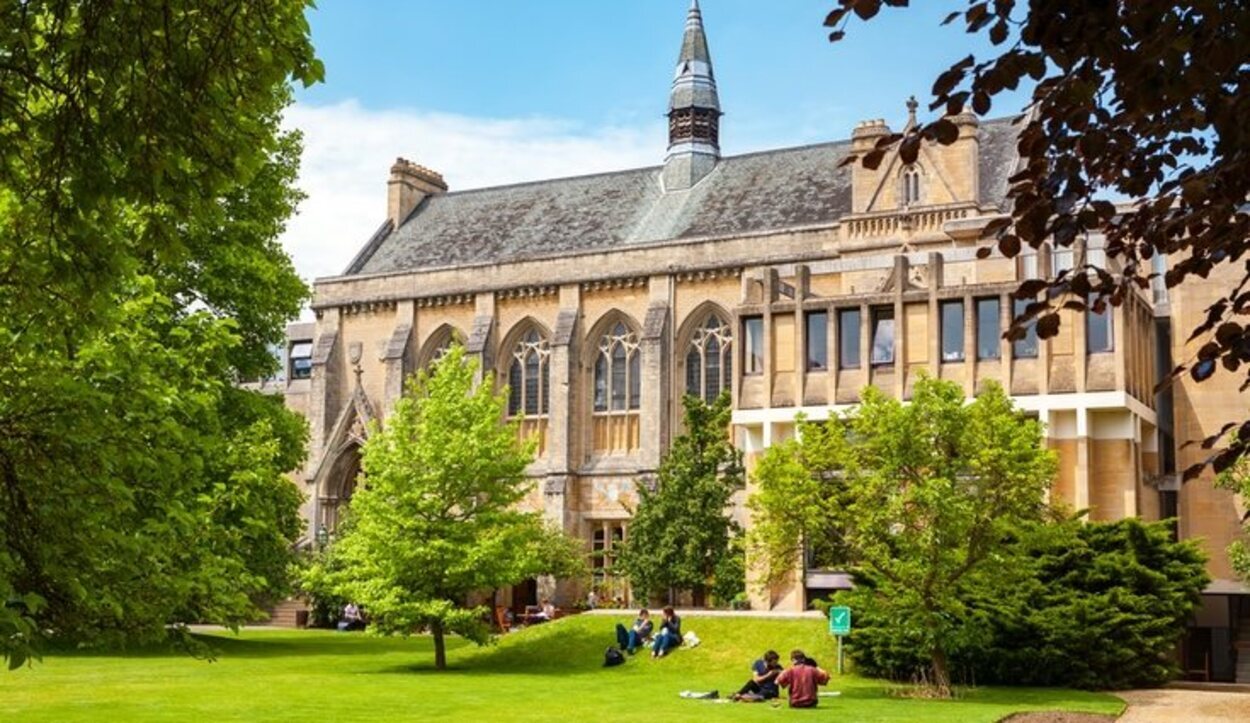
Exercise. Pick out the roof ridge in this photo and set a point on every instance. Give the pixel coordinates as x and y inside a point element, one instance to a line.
<point>659,167</point>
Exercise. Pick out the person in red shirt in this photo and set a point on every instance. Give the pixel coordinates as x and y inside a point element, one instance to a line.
<point>802,678</point>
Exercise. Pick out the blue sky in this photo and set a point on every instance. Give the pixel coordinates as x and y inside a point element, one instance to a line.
<point>488,91</point>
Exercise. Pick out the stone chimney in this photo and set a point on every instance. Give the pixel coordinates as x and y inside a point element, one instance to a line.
<point>408,186</point>
<point>864,182</point>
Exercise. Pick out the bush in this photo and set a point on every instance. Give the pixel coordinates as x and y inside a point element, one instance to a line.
<point>1097,605</point>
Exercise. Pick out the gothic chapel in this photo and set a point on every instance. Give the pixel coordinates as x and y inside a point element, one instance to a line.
<point>782,276</point>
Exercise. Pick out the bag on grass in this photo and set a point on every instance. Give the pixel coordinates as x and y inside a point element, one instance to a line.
<point>612,657</point>
<point>690,640</point>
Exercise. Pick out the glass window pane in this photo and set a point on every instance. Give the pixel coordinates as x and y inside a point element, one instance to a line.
<point>1025,348</point>
<point>883,336</point>
<point>531,383</point>
<point>848,339</point>
<point>301,349</point>
<point>545,377</point>
<point>753,349</point>
<point>601,383</point>
<point>1098,329</point>
<point>712,388</point>
<point>817,341</point>
<point>727,359</point>
<point>1028,263</point>
<point>301,368</point>
<point>514,388</point>
<point>694,371</point>
<point>635,380</point>
<point>952,331</point>
<point>989,323</point>
<point>618,377</point>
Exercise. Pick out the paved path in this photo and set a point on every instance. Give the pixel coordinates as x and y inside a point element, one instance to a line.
<point>1170,705</point>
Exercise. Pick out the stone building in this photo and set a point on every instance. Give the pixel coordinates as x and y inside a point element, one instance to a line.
<point>782,276</point>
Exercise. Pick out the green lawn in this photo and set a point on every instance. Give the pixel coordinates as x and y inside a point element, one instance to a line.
<point>546,673</point>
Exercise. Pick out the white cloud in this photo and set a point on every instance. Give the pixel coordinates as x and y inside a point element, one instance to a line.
<point>348,151</point>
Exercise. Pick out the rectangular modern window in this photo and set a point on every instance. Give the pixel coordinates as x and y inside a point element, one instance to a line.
<point>1098,329</point>
<point>1028,263</point>
<point>301,360</point>
<point>1063,258</point>
<point>753,348</point>
<point>817,341</point>
<point>952,331</point>
<point>882,336</point>
<point>848,339</point>
<point>989,328</point>
<point>1026,347</point>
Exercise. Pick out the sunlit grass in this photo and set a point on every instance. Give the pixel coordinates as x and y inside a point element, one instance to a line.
<point>549,672</point>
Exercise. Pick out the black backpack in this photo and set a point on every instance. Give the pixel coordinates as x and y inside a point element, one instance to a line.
<point>613,657</point>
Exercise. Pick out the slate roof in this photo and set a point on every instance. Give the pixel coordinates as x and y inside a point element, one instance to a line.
<point>748,194</point>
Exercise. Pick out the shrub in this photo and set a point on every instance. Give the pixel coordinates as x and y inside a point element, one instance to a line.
<point>1096,605</point>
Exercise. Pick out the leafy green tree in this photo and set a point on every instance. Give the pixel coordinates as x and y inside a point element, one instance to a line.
<point>1236,478</point>
<point>437,516</point>
<point>681,534</point>
<point>1099,605</point>
<point>1138,100</point>
<point>925,494</point>
<point>144,181</point>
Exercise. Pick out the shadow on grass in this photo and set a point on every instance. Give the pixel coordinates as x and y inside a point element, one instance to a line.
<point>551,649</point>
<point>289,644</point>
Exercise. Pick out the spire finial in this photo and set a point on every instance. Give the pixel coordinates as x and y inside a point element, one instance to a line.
<point>693,109</point>
<point>912,105</point>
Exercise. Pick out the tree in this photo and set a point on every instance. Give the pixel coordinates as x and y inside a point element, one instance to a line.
<point>920,495</point>
<point>144,182</point>
<point>437,516</point>
<point>682,534</point>
<point>1237,479</point>
<point>1140,100</point>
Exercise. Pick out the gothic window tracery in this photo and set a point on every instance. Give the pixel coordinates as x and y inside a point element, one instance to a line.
<point>618,371</point>
<point>910,186</point>
<point>528,376</point>
<point>709,359</point>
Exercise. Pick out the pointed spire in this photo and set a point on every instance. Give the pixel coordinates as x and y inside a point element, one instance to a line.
<point>693,109</point>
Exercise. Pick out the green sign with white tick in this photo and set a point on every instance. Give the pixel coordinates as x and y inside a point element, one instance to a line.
<point>840,621</point>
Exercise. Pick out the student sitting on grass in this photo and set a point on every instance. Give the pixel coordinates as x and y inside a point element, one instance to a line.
<point>802,678</point>
<point>763,682</point>
<point>352,619</point>
<point>637,635</point>
<point>669,636</point>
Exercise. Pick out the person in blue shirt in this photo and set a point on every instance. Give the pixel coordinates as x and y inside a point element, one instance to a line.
<point>669,636</point>
<point>763,682</point>
<point>637,635</point>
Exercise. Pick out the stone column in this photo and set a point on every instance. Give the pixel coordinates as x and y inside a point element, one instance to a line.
<point>481,341</point>
<point>654,411</point>
<point>397,356</point>
<point>323,400</point>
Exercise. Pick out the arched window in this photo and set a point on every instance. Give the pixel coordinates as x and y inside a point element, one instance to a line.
<point>618,371</point>
<point>528,387</point>
<point>437,346</point>
<point>911,186</point>
<point>709,359</point>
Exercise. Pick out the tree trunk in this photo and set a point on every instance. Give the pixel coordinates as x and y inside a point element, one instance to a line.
<point>941,673</point>
<point>440,647</point>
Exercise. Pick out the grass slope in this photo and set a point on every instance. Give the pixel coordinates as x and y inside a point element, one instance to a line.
<point>545,673</point>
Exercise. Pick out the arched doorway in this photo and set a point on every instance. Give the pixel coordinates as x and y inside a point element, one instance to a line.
<point>340,485</point>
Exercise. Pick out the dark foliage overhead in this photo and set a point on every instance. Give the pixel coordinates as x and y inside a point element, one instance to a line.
<point>1139,99</point>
